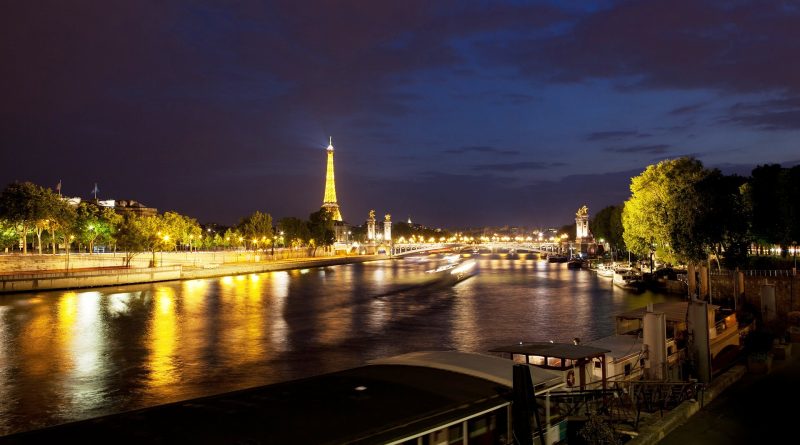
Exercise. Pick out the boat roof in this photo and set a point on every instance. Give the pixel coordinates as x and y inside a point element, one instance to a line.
<point>558,350</point>
<point>674,311</point>
<point>376,403</point>
<point>495,369</point>
<point>621,346</point>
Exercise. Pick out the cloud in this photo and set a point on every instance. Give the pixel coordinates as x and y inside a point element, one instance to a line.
<point>611,135</point>
<point>686,109</point>
<point>651,149</point>
<point>516,166</point>
<point>480,149</point>
<point>745,46</point>
<point>773,114</point>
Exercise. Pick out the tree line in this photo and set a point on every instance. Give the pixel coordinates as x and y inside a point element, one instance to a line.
<point>37,216</point>
<point>682,212</point>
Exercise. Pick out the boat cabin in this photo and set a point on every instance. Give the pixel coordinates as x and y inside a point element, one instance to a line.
<point>441,397</point>
<point>573,361</point>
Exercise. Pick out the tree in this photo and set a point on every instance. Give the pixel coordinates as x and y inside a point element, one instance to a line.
<point>182,229</point>
<point>257,227</point>
<point>659,217</point>
<point>95,224</point>
<point>320,227</point>
<point>144,233</point>
<point>774,194</point>
<point>607,224</point>
<point>723,217</point>
<point>26,206</point>
<point>8,234</point>
<point>62,223</point>
<point>295,231</point>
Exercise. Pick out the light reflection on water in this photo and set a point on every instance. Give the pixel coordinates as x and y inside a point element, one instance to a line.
<point>72,355</point>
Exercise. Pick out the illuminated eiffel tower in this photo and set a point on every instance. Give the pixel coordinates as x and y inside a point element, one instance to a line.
<point>329,202</point>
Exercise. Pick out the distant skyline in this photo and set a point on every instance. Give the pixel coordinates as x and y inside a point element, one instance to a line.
<point>454,113</point>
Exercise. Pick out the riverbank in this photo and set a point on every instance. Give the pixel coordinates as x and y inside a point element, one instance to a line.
<point>98,276</point>
<point>732,409</point>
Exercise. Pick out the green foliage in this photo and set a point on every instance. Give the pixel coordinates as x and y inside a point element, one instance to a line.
<point>145,233</point>
<point>256,229</point>
<point>26,206</point>
<point>775,198</point>
<point>295,231</point>
<point>182,230</point>
<point>95,224</point>
<point>723,216</point>
<point>568,229</point>
<point>607,224</point>
<point>320,227</point>
<point>661,212</point>
<point>8,235</point>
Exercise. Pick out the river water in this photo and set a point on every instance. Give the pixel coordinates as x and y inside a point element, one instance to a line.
<point>70,355</point>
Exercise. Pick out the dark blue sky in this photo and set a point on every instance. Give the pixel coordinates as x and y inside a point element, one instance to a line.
<point>453,113</point>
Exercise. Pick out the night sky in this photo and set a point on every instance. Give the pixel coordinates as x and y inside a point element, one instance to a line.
<point>452,113</point>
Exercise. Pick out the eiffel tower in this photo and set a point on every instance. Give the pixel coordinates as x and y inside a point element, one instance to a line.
<point>329,202</point>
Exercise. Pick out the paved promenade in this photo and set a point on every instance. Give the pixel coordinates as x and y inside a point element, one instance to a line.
<point>755,410</point>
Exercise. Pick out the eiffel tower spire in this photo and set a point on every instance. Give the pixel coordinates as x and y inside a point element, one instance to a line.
<point>329,201</point>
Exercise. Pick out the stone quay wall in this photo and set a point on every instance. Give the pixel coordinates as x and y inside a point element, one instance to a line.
<point>749,285</point>
<point>100,273</point>
<point>80,279</point>
<point>13,263</point>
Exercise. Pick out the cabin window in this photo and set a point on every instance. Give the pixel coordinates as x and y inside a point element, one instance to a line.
<point>554,362</point>
<point>537,360</point>
<point>455,434</point>
<point>627,369</point>
<point>598,364</point>
<point>491,428</point>
<point>518,358</point>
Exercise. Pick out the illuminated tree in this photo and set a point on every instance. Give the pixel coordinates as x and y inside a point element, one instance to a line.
<point>25,205</point>
<point>295,231</point>
<point>182,229</point>
<point>320,227</point>
<point>660,215</point>
<point>8,234</point>
<point>257,226</point>
<point>144,234</point>
<point>95,224</point>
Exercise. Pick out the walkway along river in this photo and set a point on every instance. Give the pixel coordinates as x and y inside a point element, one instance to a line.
<point>69,355</point>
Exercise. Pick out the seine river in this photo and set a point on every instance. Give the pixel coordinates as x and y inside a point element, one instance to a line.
<point>69,355</point>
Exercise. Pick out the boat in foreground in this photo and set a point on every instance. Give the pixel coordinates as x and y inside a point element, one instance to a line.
<point>422,397</point>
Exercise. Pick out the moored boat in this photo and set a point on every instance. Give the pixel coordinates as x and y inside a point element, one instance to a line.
<point>575,263</point>
<point>605,271</point>
<point>628,279</point>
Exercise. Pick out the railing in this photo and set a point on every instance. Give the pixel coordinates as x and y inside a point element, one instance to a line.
<point>756,273</point>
